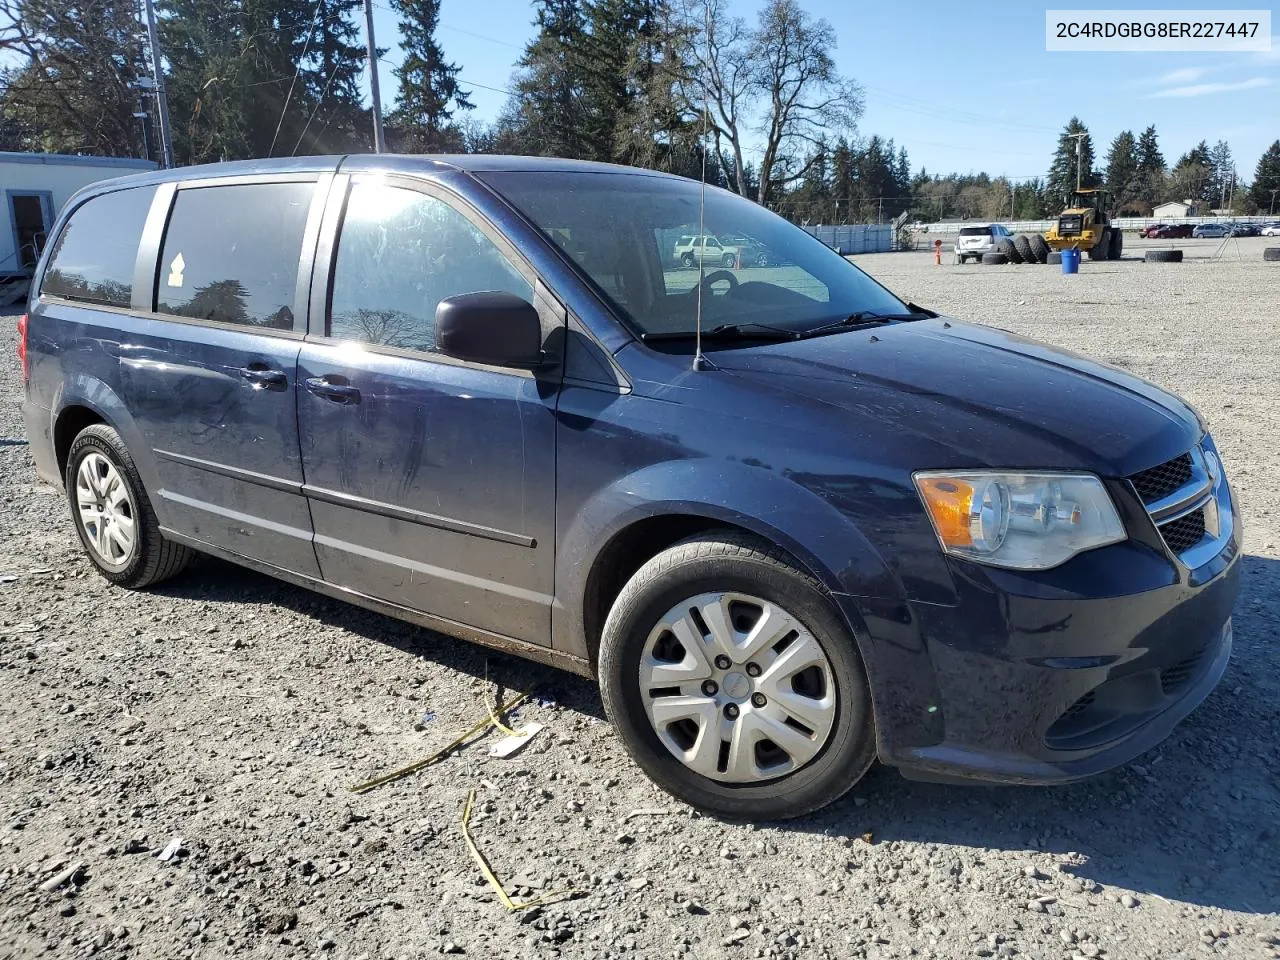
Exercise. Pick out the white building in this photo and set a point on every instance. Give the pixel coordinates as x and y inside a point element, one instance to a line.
<point>1175,210</point>
<point>35,187</point>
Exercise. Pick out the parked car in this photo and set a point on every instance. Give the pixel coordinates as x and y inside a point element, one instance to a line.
<point>461,393</point>
<point>753,252</point>
<point>1168,231</point>
<point>1211,230</point>
<point>1271,229</point>
<point>1243,230</point>
<point>688,251</point>
<point>974,241</point>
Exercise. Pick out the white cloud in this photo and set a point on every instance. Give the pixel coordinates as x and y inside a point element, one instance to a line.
<point>1184,75</point>
<point>1205,89</point>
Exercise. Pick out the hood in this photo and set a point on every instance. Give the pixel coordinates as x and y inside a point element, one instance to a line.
<point>979,397</point>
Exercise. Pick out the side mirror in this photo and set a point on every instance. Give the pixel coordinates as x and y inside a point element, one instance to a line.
<point>496,328</point>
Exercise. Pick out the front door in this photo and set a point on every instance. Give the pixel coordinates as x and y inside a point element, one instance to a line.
<point>32,215</point>
<point>431,481</point>
<point>210,373</point>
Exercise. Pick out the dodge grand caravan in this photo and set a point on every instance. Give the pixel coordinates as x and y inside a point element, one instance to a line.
<point>469,393</point>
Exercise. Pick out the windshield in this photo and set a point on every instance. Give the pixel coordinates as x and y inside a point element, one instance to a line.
<point>631,235</point>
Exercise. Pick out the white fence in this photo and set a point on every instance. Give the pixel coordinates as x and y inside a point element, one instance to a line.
<point>951,228</point>
<point>856,238</point>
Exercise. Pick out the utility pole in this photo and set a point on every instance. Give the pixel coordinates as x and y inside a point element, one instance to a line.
<point>1273,201</point>
<point>157,76</point>
<point>379,144</point>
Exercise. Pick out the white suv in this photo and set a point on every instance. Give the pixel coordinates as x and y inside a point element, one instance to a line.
<point>978,239</point>
<point>688,251</point>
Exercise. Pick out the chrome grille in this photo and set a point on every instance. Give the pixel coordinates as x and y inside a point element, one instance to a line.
<point>1189,502</point>
<point>1158,482</point>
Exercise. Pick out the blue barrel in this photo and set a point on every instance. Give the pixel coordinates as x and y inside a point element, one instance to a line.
<point>1071,260</point>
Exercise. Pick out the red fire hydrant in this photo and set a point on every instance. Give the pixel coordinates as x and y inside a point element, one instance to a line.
<point>937,252</point>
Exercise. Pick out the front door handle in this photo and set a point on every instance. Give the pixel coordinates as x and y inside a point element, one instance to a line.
<point>333,388</point>
<point>264,378</point>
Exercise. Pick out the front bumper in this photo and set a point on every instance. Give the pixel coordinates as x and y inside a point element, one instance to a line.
<point>1038,680</point>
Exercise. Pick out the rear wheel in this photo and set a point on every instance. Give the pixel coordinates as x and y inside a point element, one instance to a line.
<point>1117,244</point>
<point>730,260</point>
<point>112,514</point>
<point>734,683</point>
<point>1101,250</point>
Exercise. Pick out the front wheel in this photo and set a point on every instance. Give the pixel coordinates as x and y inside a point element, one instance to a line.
<point>734,682</point>
<point>686,260</point>
<point>112,515</point>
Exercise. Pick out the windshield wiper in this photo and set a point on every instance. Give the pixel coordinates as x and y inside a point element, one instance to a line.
<point>727,331</point>
<point>862,318</point>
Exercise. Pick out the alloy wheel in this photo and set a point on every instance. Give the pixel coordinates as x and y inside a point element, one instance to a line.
<point>106,510</point>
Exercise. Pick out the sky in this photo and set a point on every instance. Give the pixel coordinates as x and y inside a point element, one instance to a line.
<point>965,88</point>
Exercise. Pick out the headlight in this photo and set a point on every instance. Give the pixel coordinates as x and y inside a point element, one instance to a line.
<point>1025,521</point>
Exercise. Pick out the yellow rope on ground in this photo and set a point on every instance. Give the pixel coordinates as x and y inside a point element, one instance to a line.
<point>443,752</point>
<point>492,716</point>
<point>506,901</point>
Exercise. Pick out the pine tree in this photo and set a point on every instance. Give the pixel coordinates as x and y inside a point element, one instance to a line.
<point>1151,168</point>
<point>1066,162</point>
<point>546,111</point>
<point>1266,181</point>
<point>1122,169</point>
<point>1223,174</point>
<point>429,95</point>
<point>1192,176</point>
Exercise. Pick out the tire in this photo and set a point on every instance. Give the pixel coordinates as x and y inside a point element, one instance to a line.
<point>1102,249</point>
<point>1010,251</point>
<point>1053,256</point>
<point>1272,254</point>
<point>729,261</point>
<point>992,258</point>
<point>1040,247</point>
<point>98,458</point>
<point>686,260</point>
<point>1022,243</point>
<point>718,564</point>
<point>1117,244</point>
<point>1164,256</point>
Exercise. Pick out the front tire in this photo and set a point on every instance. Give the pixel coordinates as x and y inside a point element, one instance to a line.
<point>112,514</point>
<point>686,260</point>
<point>734,682</point>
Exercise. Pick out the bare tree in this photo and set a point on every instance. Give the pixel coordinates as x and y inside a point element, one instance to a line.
<point>778,81</point>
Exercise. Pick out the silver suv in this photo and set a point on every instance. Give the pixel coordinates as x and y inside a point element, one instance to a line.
<point>688,251</point>
<point>978,239</point>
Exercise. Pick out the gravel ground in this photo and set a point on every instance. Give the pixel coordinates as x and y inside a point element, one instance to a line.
<point>234,712</point>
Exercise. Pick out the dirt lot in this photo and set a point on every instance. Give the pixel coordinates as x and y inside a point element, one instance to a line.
<point>235,712</point>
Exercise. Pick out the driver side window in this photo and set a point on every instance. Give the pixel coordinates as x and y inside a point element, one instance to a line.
<point>401,252</point>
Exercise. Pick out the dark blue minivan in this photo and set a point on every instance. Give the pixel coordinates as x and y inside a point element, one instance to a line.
<point>791,522</point>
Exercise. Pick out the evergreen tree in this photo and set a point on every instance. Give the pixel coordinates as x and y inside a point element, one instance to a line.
<point>1223,173</point>
<point>1151,169</point>
<point>546,111</point>
<point>1192,176</point>
<point>429,95</point>
<point>1122,177</point>
<point>1066,162</point>
<point>1266,181</point>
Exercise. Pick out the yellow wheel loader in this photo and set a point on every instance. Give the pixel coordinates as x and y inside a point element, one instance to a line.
<point>1085,224</point>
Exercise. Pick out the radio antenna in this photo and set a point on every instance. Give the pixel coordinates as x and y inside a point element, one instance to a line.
<point>701,244</point>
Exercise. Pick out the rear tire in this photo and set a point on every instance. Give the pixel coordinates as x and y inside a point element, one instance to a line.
<point>994,258</point>
<point>730,261</point>
<point>113,515</point>
<point>1022,243</point>
<point>1164,256</point>
<point>1040,248</point>
<point>686,260</point>
<point>1117,244</point>
<point>644,661</point>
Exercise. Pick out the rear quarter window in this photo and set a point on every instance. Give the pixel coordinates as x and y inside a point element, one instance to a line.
<point>230,253</point>
<point>93,258</point>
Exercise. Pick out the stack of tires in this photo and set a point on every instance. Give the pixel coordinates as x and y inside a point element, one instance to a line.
<point>1024,248</point>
